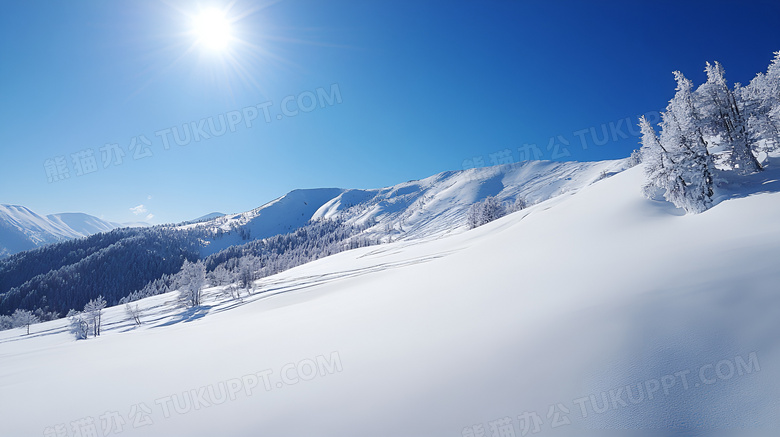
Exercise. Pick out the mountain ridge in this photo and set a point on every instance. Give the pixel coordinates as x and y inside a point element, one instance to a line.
<point>23,229</point>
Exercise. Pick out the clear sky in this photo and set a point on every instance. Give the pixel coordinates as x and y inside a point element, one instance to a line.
<point>375,92</point>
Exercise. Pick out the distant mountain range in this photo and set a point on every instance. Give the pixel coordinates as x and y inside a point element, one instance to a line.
<point>22,229</point>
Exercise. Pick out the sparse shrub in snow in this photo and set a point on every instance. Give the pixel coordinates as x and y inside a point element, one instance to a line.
<point>602,175</point>
<point>133,312</point>
<point>232,291</point>
<point>23,319</point>
<point>485,212</point>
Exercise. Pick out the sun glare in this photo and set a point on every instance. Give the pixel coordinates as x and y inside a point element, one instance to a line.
<point>212,29</point>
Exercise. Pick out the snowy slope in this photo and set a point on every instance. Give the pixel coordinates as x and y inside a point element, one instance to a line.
<point>209,216</point>
<point>438,205</point>
<point>279,216</point>
<point>427,208</point>
<point>82,224</point>
<point>545,317</point>
<point>22,229</point>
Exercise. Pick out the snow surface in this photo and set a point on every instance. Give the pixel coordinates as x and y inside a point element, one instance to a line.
<point>578,295</point>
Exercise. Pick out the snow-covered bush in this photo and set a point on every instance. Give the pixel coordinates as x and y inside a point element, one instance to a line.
<point>485,212</point>
<point>78,324</point>
<point>6,322</point>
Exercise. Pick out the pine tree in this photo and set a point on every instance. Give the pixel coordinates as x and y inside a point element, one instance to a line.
<point>658,163</point>
<point>682,136</point>
<point>761,100</point>
<point>722,117</point>
<point>678,163</point>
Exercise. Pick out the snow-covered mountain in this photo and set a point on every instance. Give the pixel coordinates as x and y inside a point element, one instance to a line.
<point>22,229</point>
<point>209,216</point>
<point>431,207</point>
<point>68,275</point>
<point>596,311</point>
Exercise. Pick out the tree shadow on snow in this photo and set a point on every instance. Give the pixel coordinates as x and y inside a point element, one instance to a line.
<point>188,315</point>
<point>735,187</point>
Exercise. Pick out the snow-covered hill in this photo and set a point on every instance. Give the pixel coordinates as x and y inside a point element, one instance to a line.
<point>22,229</point>
<point>591,311</point>
<point>430,207</point>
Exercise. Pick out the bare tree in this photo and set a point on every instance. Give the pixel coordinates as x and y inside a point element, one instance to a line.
<point>134,312</point>
<point>94,311</point>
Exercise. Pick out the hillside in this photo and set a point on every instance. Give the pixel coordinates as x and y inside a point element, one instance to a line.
<point>431,207</point>
<point>552,316</point>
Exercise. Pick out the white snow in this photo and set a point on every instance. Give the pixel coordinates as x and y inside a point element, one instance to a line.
<point>578,295</point>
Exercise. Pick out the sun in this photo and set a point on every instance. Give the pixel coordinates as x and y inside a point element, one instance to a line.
<point>212,29</point>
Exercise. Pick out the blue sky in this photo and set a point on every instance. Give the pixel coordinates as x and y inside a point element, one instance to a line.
<point>403,90</point>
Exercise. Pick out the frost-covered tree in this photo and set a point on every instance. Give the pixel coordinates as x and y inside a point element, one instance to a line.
<point>635,158</point>
<point>722,118</point>
<point>6,322</point>
<point>78,324</point>
<point>133,312</point>
<point>518,204</point>
<point>23,319</point>
<point>659,165</point>
<point>678,162</point>
<point>761,98</point>
<point>191,282</point>
<point>484,212</point>
<point>245,273</point>
<point>93,311</point>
